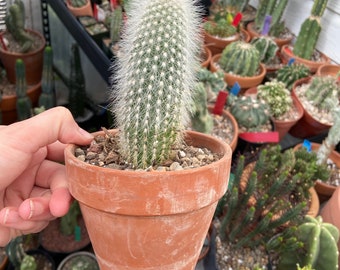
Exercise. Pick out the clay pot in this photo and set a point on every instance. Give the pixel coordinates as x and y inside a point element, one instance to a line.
<point>33,61</point>
<point>287,54</point>
<point>8,104</point>
<point>218,44</point>
<point>307,126</point>
<point>279,41</point>
<point>330,211</point>
<point>85,10</point>
<point>328,70</point>
<point>324,190</point>
<point>206,56</point>
<point>231,79</point>
<point>149,220</point>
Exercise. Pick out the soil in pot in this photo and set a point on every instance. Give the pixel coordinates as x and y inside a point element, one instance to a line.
<point>79,260</point>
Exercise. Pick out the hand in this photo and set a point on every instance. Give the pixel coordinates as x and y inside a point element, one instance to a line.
<point>33,185</point>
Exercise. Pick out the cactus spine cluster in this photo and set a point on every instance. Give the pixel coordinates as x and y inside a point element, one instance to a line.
<point>289,74</point>
<point>15,23</point>
<point>323,92</point>
<point>222,28</point>
<point>277,96</point>
<point>309,32</point>
<point>267,48</point>
<point>18,257</point>
<point>47,98</point>
<point>155,78</point>
<point>78,3</point>
<point>319,248</point>
<point>251,114</point>
<point>240,58</point>
<point>116,24</point>
<point>23,103</point>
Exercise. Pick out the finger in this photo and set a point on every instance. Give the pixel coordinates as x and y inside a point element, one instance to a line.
<point>55,151</point>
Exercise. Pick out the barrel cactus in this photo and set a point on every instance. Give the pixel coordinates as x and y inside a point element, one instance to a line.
<point>267,48</point>
<point>23,103</point>
<point>155,78</point>
<point>277,96</point>
<point>289,74</point>
<point>240,58</point>
<point>222,28</point>
<point>319,248</point>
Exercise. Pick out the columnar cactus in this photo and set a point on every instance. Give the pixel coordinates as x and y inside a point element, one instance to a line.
<point>18,257</point>
<point>289,74</point>
<point>23,103</point>
<point>309,32</point>
<point>250,113</point>
<point>47,98</point>
<point>267,48</point>
<point>319,249</point>
<point>116,24</point>
<point>15,23</point>
<point>323,92</point>
<point>240,58</point>
<point>155,78</point>
<point>222,28</point>
<point>277,96</point>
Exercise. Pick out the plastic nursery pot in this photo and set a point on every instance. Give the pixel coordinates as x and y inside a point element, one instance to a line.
<point>328,70</point>
<point>287,54</point>
<point>8,104</point>
<point>33,61</point>
<point>231,79</point>
<point>85,10</point>
<point>324,190</point>
<point>149,220</point>
<point>307,126</point>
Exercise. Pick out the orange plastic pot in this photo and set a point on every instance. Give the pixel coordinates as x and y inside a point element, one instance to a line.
<point>149,220</point>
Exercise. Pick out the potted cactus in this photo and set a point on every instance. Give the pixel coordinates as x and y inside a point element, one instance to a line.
<point>289,74</point>
<point>241,63</point>
<point>19,42</point>
<point>304,48</point>
<point>140,195</point>
<point>81,260</point>
<point>80,8</point>
<point>318,96</point>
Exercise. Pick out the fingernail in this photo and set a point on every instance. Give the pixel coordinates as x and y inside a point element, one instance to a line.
<point>6,216</point>
<point>85,134</point>
<point>31,209</point>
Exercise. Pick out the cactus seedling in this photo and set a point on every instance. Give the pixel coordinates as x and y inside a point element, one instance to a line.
<point>23,103</point>
<point>155,78</point>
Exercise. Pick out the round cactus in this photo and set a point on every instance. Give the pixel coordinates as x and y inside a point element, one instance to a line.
<point>267,48</point>
<point>222,28</point>
<point>250,113</point>
<point>240,58</point>
<point>277,96</point>
<point>289,74</point>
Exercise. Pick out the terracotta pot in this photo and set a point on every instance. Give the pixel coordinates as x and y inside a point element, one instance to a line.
<point>328,70</point>
<point>149,220</point>
<point>324,190</point>
<point>231,79</point>
<point>217,44</point>
<point>287,54</point>
<point>8,104</point>
<point>33,61</point>
<point>307,126</point>
<point>279,41</point>
<point>330,211</point>
<point>282,127</point>
<point>206,56</point>
<point>85,10</point>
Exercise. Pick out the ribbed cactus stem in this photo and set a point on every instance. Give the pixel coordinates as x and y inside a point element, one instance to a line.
<point>289,74</point>
<point>23,103</point>
<point>319,7</point>
<point>155,78</point>
<point>18,257</point>
<point>47,97</point>
<point>116,24</point>
<point>266,47</point>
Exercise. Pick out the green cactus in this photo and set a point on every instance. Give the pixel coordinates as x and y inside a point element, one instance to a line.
<point>201,119</point>
<point>23,103</point>
<point>240,58</point>
<point>76,85</point>
<point>289,74</point>
<point>78,3</point>
<point>256,207</point>
<point>213,82</point>
<point>115,24</point>
<point>47,98</point>
<point>319,249</point>
<point>323,92</point>
<point>18,257</point>
<point>70,220</point>
<point>332,139</point>
<point>267,48</point>
<point>251,114</point>
<point>15,23</point>
<point>309,32</point>
<point>306,267</point>
<point>222,28</point>
<point>277,96</point>
<point>155,78</point>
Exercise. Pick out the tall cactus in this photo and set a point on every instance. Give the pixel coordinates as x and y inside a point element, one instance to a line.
<point>23,103</point>
<point>116,24</point>
<point>47,98</point>
<point>240,58</point>
<point>319,249</point>
<point>155,78</point>
<point>15,23</point>
<point>309,32</point>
